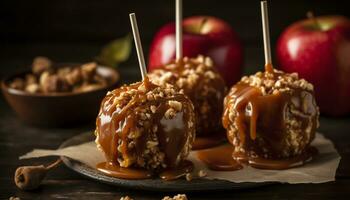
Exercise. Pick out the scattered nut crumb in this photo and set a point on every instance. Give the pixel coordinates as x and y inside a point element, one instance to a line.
<point>189,177</point>
<point>126,198</point>
<point>202,173</point>
<point>176,197</point>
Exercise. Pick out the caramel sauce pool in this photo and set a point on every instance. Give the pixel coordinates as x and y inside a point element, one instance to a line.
<point>208,141</point>
<point>122,172</point>
<point>221,159</point>
<point>130,173</point>
<point>262,163</point>
<point>178,172</point>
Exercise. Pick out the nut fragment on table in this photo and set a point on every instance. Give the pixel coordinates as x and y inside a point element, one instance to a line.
<point>176,197</point>
<point>14,198</point>
<point>189,177</point>
<point>126,198</point>
<point>202,173</point>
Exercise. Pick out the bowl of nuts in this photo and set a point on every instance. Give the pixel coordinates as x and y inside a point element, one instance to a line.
<point>58,94</point>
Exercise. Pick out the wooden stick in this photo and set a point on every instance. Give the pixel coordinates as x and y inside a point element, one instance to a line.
<point>138,45</point>
<point>266,32</point>
<point>178,29</point>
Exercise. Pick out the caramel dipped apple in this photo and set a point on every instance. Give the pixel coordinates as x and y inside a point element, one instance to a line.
<point>200,81</point>
<point>271,116</point>
<point>144,126</point>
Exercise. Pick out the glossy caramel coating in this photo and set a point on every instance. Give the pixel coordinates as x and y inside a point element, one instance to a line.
<point>270,115</point>
<point>200,81</point>
<point>145,126</point>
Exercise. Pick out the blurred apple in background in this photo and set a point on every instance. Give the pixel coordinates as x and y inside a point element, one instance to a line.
<point>204,35</point>
<point>318,49</point>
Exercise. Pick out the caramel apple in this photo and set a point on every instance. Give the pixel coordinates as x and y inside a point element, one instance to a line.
<point>200,81</point>
<point>270,115</point>
<point>145,126</point>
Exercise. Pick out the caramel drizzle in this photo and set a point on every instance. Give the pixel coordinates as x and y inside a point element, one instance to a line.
<point>269,68</point>
<point>243,99</point>
<point>242,96</point>
<point>280,164</point>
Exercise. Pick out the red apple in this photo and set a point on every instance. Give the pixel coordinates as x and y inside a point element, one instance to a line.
<point>204,35</point>
<point>319,50</point>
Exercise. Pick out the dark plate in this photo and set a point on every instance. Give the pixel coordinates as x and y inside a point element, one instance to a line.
<point>149,184</point>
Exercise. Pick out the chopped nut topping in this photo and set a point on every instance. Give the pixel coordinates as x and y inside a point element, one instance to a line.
<point>268,85</point>
<point>176,105</point>
<point>153,108</point>
<point>170,113</point>
<point>208,62</point>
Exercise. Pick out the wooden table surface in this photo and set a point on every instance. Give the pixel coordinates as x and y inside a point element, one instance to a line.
<point>17,138</point>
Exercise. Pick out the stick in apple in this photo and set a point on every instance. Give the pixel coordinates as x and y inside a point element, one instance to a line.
<point>178,29</point>
<point>266,36</point>
<point>138,45</point>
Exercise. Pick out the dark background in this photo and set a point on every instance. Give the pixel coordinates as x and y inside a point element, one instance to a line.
<point>75,31</point>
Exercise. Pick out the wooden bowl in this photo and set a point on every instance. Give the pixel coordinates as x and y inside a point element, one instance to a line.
<point>58,109</point>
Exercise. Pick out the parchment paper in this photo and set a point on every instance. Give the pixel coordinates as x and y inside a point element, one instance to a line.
<point>321,169</point>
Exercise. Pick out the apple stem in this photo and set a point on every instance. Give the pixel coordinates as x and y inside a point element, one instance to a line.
<point>311,16</point>
<point>203,22</point>
<point>138,45</point>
